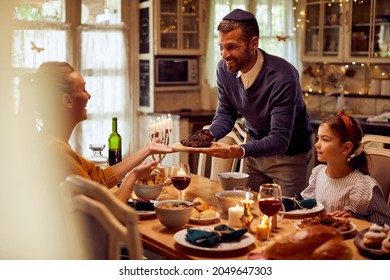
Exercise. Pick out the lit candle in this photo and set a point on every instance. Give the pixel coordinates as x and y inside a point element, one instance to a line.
<point>247,200</point>
<point>262,232</point>
<point>234,215</point>
<point>181,173</point>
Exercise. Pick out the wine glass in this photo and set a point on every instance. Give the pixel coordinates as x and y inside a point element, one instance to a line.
<point>181,177</point>
<point>270,202</point>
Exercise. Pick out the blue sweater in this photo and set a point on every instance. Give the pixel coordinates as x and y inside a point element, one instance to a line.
<point>272,106</point>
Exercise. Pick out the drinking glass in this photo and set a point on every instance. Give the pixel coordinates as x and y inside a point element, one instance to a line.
<point>270,202</point>
<point>181,177</point>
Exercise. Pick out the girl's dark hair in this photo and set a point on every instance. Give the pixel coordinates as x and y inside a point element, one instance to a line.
<point>349,129</point>
<point>43,88</point>
<point>249,28</point>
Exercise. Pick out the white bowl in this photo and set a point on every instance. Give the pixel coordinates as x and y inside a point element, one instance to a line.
<point>174,217</point>
<point>227,199</point>
<point>229,180</point>
<point>150,192</point>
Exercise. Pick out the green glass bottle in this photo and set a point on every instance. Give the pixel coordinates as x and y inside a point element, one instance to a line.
<point>114,144</point>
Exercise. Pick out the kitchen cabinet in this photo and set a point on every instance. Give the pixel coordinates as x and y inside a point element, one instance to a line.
<point>179,27</point>
<point>346,31</point>
<point>168,29</point>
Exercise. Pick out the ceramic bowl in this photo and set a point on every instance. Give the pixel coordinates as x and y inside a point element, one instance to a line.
<point>173,214</point>
<point>147,192</point>
<point>229,180</point>
<point>230,198</point>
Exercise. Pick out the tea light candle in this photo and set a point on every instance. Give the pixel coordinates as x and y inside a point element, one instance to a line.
<point>262,232</point>
<point>234,215</point>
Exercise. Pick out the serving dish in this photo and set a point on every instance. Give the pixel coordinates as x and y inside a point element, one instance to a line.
<point>246,240</point>
<point>205,221</point>
<point>215,147</point>
<point>366,251</point>
<point>353,227</point>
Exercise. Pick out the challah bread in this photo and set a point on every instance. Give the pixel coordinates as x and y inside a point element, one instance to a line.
<point>306,244</point>
<point>200,204</point>
<point>333,249</point>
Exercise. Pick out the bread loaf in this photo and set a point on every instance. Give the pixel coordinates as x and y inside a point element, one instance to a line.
<point>200,204</point>
<point>333,249</point>
<point>307,244</point>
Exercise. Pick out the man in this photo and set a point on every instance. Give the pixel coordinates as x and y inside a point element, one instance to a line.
<point>265,89</point>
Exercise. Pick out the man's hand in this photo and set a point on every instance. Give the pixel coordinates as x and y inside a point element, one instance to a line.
<point>233,151</point>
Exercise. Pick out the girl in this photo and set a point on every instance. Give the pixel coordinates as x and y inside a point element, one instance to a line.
<point>343,185</point>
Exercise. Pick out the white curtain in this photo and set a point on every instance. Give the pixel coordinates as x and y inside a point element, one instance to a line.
<point>104,66</point>
<point>275,18</point>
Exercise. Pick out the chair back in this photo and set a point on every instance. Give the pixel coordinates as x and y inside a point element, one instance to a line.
<point>237,136</point>
<point>379,161</point>
<point>104,222</point>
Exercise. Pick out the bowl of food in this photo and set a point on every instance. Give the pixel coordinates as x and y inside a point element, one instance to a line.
<point>227,199</point>
<point>229,180</point>
<point>147,192</point>
<point>173,213</point>
<point>149,188</point>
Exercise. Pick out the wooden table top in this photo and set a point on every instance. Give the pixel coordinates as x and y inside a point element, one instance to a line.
<point>159,239</point>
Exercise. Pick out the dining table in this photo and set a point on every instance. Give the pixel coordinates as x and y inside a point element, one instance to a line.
<point>160,240</point>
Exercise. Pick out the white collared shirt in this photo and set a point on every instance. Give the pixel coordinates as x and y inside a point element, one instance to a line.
<point>249,77</point>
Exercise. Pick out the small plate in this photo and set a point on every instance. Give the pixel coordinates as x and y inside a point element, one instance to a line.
<point>205,221</point>
<point>146,213</point>
<point>245,240</point>
<point>298,223</point>
<point>368,252</point>
<point>302,212</point>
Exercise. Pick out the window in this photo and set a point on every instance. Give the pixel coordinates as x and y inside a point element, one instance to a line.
<point>276,23</point>
<point>95,43</point>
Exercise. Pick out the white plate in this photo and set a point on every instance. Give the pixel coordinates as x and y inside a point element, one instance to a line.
<point>245,240</point>
<point>301,212</point>
<point>205,221</point>
<point>298,223</point>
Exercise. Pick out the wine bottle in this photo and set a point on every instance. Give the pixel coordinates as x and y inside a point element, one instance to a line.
<point>114,144</point>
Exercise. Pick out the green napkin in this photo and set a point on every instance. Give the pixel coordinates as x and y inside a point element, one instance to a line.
<point>221,233</point>
<point>298,203</point>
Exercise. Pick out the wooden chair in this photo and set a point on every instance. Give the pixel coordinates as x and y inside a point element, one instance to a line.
<point>237,136</point>
<point>103,222</point>
<point>375,147</point>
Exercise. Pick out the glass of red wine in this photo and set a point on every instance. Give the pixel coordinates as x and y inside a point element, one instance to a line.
<point>181,177</point>
<point>270,202</point>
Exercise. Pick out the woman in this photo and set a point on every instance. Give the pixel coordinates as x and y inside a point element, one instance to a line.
<point>60,97</point>
<point>343,185</point>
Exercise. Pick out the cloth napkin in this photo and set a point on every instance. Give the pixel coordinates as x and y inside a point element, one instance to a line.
<point>221,233</point>
<point>298,202</point>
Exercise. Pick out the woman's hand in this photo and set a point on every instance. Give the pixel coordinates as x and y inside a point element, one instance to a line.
<point>138,172</point>
<point>154,147</point>
<point>142,170</point>
<point>340,213</point>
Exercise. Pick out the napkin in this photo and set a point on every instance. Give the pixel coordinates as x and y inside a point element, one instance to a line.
<point>221,233</point>
<point>298,202</point>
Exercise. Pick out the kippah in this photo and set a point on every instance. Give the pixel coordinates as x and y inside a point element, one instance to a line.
<point>239,15</point>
